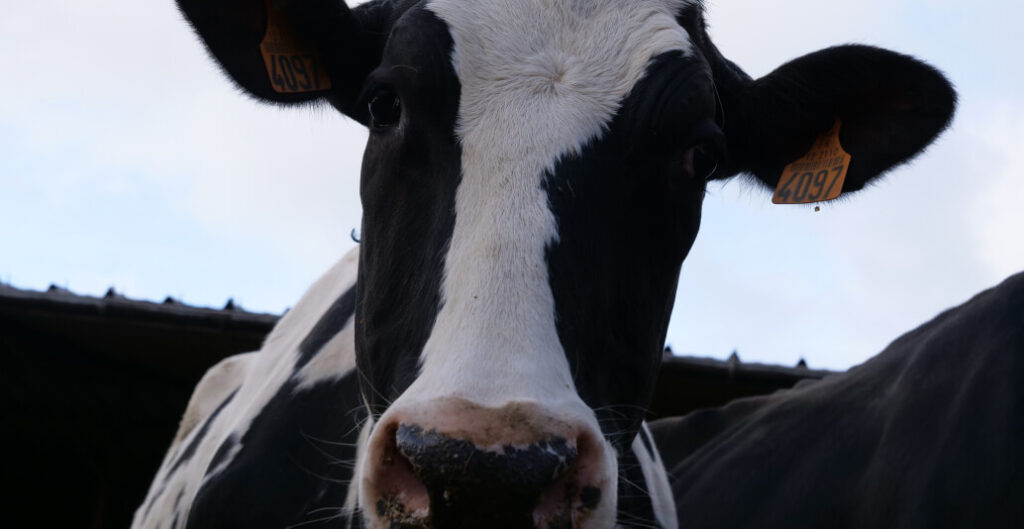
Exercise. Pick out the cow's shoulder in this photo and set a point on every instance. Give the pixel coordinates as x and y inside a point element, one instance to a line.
<point>218,382</point>
<point>928,431</point>
<point>305,363</point>
<point>281,344</point>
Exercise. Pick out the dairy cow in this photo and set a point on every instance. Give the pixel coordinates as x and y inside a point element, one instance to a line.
<point>531,185</point>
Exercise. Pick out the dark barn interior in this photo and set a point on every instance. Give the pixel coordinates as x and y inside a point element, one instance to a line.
<point>93,389</point>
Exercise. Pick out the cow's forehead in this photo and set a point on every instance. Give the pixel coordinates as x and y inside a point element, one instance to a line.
<point>538,81</point>
<point>552,72</point>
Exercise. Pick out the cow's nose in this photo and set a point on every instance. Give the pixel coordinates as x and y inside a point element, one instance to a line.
<point>427,478</point>
<point>468,484</point>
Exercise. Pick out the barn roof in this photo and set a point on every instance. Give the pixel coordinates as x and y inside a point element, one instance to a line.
<point>176,338</point>
<point>113,303</point>
<point>168,337</point>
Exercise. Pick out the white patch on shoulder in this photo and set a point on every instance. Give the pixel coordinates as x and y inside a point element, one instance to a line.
<point>540,79</point>
<point>257,377</point>
<point>215,386</point>
<point>653,468</point>
<point>331,361</point>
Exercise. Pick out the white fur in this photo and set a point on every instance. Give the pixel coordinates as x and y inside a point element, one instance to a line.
<point>333,361</point>
<point>257,377</point>
<point>656,477</point>
<point>217,383</point>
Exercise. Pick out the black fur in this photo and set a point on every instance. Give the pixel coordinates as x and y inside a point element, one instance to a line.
<point>190,448</point>
<point>627,214</point>
<point>927,434</point>
<point>891,107</point>
<point>294,466</point>
<point>330,323</point>
<point>634,501</point>
<point>348,41</point>
<point>297,456</point>
<point>222,452</point>
<point>410,173</point>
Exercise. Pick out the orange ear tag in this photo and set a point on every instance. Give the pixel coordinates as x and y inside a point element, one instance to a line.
<point>819,175</point>
<point>292,65</point>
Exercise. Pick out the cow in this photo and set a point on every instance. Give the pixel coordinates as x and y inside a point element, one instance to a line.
<point>927,434</point>
<point>531,184</point>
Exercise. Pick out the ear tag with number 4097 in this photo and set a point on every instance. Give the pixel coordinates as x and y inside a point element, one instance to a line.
<point>292,65</point>
<point>818,176</point>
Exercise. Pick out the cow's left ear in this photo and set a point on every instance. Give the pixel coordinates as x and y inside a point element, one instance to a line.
<point>890,107</point>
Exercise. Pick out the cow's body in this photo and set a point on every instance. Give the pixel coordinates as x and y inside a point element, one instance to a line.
<point>928,434</point>
<point>532,182</point>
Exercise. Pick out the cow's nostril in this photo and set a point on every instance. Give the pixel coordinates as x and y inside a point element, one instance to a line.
<point>402,499</point>
<point>468,485</point>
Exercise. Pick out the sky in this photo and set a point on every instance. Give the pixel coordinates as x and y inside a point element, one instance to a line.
<point>128,160</point>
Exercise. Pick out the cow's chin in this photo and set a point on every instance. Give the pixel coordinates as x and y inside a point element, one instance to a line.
<point>392,495</point>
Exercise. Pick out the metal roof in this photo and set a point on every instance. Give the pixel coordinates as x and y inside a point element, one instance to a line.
<point>115,304</point>
<point>115,307</point>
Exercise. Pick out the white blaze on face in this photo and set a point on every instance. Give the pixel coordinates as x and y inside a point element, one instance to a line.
<point>539,79</point>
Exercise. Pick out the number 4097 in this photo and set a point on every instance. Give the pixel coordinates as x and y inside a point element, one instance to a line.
<point>810,186</point>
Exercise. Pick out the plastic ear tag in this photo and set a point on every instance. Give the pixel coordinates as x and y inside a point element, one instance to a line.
<point>819,175</point>
<point>292,65</point>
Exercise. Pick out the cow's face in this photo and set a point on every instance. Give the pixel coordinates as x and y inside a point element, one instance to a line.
<point>532,183</point>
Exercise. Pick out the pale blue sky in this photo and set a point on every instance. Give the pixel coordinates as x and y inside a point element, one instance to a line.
<point>127,160</point>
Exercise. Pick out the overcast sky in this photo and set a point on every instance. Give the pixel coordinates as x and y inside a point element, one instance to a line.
<point>126,159</point>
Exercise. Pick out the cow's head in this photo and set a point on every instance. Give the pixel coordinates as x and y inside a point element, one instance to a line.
<point>532,183</point>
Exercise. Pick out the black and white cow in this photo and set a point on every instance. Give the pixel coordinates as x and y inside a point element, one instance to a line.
<point>928,434</point>
<point>532,183</point>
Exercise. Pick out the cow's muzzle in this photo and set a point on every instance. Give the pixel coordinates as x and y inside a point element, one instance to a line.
<point>465,473</point>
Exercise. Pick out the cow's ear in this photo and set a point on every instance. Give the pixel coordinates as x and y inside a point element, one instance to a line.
<point>287,51</point>
<point>889,106</point>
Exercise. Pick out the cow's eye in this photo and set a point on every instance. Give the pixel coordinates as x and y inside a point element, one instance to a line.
<point>705,161</point>
<point>385,108</point>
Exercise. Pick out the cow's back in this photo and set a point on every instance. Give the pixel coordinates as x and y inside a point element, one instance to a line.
<point>930,433</point>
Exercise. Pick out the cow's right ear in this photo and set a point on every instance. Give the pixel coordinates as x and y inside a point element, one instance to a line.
<point>288,52</point>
